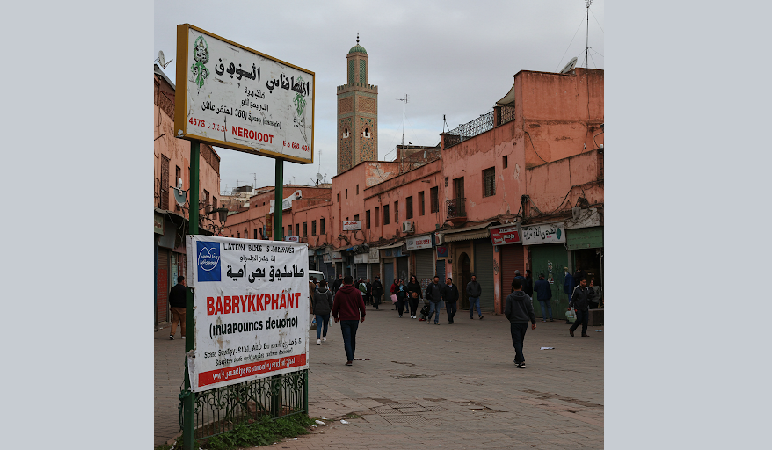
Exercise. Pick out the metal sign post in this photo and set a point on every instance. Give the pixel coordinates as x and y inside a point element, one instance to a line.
<point>189,397</point>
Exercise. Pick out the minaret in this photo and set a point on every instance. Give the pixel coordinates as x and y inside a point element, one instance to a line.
<point>357,113</point>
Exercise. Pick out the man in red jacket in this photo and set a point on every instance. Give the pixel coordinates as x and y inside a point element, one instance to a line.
<point>349,309</point>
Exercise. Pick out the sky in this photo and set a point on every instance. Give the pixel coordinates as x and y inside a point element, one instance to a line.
<point>451,58</point>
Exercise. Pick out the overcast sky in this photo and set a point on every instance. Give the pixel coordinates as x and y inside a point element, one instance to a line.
<point>451,57</point>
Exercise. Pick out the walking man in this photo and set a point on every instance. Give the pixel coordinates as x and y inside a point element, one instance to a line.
<point>377,291</point>
<point>544,295</point>
<point>474,291</point>
<point>519,311</point>
<point>580,300</point>
<point>337,284</point>
<point>528,286</point>
<point>450,297</point>
<point>434,294</point>
<point>519,277</point>
<point>349,309</point>
<point>179,302</point>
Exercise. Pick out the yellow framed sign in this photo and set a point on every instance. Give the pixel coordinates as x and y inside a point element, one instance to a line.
<point>232,96</point>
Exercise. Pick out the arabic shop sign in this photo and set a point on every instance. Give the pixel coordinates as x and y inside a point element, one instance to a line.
<point>352,225</point>
<point>373,255</point>
<point>505,235</point>
<point>250,309</point>
<point>235,97</point>
<point>552,233</point>
<point>418,243</point>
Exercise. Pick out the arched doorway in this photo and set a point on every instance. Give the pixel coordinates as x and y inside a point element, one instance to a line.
<point>466,277</point>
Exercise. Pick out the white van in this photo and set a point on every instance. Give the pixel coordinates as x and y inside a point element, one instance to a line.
<point>318,275</point>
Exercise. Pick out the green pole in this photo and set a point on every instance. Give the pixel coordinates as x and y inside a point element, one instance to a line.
<point>277,236</point>
<point>189,401</point>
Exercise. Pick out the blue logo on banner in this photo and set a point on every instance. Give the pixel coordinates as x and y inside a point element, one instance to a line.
<point>208,261</point>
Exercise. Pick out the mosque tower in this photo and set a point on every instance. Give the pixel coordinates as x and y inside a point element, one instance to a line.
<point>357,113</point>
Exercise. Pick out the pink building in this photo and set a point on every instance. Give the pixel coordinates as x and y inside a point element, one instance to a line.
<point>172,162</point>
<point>521,187</point>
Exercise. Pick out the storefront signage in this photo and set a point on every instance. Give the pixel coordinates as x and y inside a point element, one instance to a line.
<point>292,238</point>
<point>419,242</point>
<point>373,256</point>
<point>232,96</point>
<point>442,252</point>
<point>361,259</point>
<point>336,257</point>
<point>505,235</point>
<point>552,233</point>
<point>250,309</point>
<point>349,225</point>
<point>158,225</point>
<point>584,238</point>
<point>327,258</point>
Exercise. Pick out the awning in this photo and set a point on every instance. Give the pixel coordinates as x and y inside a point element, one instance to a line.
<point>508,99</point>
<point>385,247</point>
<point>467,234</point>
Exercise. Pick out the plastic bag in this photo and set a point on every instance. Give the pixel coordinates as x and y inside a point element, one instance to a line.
<point>393,298</point>
<point>570,315</point>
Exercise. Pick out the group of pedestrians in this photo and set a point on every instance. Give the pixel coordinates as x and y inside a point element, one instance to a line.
<point>406,298</point>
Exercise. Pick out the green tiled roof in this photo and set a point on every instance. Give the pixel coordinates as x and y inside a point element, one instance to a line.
<point>358,49</point>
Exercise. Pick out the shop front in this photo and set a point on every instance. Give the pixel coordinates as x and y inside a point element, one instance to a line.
<point>548,254</point>
<point>360,266</point>
<point>586,246</point>
<point>506,241</point>
<point>423,258</point>
<point>470,252</point>
<point>373,259</point>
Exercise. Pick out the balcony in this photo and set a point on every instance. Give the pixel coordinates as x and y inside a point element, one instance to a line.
<point>456,210</point>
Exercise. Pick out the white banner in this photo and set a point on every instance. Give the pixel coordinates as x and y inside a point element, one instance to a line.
<point>372,256</point>
<point>352,225</point>
<point>419,242</point>
<point>551,233</point>
<point>234,97</point>
<point>251,309</point>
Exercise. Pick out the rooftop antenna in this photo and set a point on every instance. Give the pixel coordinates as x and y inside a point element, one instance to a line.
<point>403,117</point>
<point>444,123</point>
<point>587,34</point>
<point>254,177</point>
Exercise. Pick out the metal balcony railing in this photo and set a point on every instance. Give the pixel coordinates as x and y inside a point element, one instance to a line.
<point>456,208</point>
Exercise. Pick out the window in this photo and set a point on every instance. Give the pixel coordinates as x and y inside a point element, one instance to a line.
<point>321,226</point>
<point>338,196</point>
<point>289,230</point>
<point>367,219</point>
<point>346,193</point>
<point>458,187</point>
<point>386,217</point>
<point>356,217</point>
<point>214,202</point>
<point>176,181</point>
<point>297,229</point>
<point>206,205</point>
<point>377,219</point>
<point>489,182</point>
<point>396,212</point>
<point>446,181</point>
<point>164,188</point>
<point>357,189</point>
<point>313,228</point>
<point>255,233</point>
<point>434,197</point>
<point>305,229</point>
<point>238,235</point>
<point>421,203</point>
<point>504,161</point>
<point>409,208</point>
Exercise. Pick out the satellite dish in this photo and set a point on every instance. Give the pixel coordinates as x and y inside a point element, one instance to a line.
<point>570,66</point>
<point>180,196</point>
<point>319,176</point>
<point>161,58</point>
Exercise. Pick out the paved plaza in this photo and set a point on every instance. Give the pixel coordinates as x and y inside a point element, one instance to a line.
<point>446,386</point>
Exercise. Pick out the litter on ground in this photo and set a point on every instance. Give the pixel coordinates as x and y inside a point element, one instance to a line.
<point>548,348</point>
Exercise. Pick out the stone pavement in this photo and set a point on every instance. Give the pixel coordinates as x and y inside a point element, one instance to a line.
<point>448,386</point>
<point>169,370</point>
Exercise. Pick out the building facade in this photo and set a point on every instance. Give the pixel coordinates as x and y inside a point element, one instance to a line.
<point>521,187</point>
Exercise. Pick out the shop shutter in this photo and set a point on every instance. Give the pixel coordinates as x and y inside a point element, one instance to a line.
<point>423,266</point>
<point>512,259</point>
<point>329,273</point>
<point>483,268</point>
<point>361,270</point>
<point>441,272</point>
<point>163,284</point>
<point>388,275</point>
<point>375,269</point>
<point>402,269</point>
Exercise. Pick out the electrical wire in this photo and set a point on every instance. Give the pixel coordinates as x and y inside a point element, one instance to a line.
<point>569,44</point>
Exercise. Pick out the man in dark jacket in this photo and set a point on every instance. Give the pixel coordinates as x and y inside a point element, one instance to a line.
<point>178,300</point>
<point>349,309</point>
<point>322,306</point>
<point>450,295</point>
<point>580,301</point>
<point>474,291</point>
<point>434,294</point>
<point>518,276</point>
<point>544,295</point>
<point>337,284</point>
<point>377,291</point>
<point>519,310</point>
<point>528,286</point>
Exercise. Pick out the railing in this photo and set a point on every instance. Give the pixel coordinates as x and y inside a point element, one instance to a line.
<point>456,208</point>
<point>220,410</point>
<point>469,130</point>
